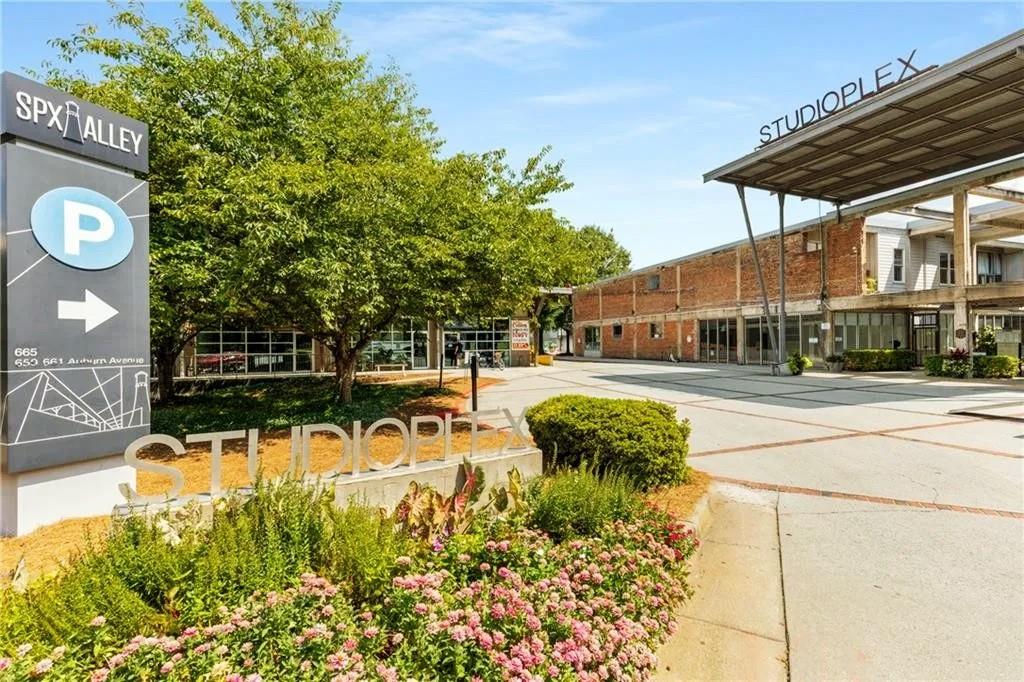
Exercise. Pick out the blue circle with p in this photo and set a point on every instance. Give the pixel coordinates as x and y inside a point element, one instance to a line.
<point>82,228</point>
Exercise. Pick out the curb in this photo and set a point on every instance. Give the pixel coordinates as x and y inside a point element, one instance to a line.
<point>700,518</point>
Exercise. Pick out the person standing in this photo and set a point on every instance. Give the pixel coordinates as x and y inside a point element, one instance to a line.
<point>457,353</point>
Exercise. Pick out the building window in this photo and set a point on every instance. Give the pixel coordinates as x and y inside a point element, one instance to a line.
<point>616,331</point>
<point>592,338</point>
<point>653,282</point>
<point>811,244</point>
<point>656,330</point>
<point>897,265</point>
<point>990,267</point>
<point>485,337</point>
<point>946,271</point>
<point>245,351</point>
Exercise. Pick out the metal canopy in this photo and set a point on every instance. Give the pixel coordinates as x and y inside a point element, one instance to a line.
<point>960,115</point>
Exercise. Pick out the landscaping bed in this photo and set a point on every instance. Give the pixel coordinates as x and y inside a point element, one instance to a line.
<point>571,576</point>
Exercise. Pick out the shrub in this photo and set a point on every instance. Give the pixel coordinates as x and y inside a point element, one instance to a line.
<point>996,366</point>
<point>798,363</point>
<point>934,365</point>
<point>643,439</point>
<point>504,603</point>
<point>578,502</point>
<point>834,357</point>
<point>985,341</point>
<point>154,571</point>
<point>879,360</point>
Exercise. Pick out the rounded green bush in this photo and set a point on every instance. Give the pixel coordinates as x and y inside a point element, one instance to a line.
<point>642,439</point>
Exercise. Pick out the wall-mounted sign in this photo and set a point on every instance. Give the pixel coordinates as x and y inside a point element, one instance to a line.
<point>35,112</point>
<point>881,79</point>
<point>74,354</point>
<point>519,331</point>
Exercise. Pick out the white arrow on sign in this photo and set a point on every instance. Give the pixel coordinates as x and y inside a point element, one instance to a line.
<point>94,311</point>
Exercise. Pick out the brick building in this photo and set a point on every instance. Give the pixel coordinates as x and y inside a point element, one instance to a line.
<point>926,243</point>
<point>861,283</point>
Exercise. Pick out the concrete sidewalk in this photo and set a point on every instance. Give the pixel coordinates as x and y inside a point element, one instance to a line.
<point>734,626</point>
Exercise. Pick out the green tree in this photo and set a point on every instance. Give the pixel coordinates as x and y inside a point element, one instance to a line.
<point>219,103</point>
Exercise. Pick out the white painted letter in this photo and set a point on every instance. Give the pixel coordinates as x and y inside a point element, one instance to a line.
<point>216,441</point>
<point>131,458</point>
<point>74,235</point>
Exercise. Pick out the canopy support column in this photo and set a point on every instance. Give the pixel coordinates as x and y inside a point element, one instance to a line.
<point>757,269</point>
<point>963,270</point>
<point>781,354</point>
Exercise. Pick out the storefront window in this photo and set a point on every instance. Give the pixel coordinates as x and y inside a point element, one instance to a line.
<point>592,338</point>
<point>486,336</point>
<point>403,343</point>
<point>234,351</point>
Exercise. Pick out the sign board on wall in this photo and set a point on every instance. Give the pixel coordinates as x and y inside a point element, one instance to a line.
<point>519,331</point>
<point>74,260</point>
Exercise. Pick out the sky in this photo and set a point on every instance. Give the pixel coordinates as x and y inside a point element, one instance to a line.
<point>638,99</point>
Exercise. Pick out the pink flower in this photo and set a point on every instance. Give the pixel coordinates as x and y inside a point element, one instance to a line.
<point>306,666</point>
<point>99,675</point>
<point>167,667</point>
<point>98,622</point>
<point>403,561</point>
<point>5,663</point>
<point>485,567</point>
<point>42,667</point>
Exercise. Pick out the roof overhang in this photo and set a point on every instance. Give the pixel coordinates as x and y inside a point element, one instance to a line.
<point>961,115</point>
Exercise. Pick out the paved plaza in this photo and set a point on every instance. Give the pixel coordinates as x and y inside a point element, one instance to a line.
<point>863,526</point>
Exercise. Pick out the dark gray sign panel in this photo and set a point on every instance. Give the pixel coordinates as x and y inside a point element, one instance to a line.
<point>32,111</point>
<point>74,248</point>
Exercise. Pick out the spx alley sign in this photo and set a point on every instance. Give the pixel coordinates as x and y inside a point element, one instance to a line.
<point>74,229</point>
<point>35,112</point>
<point>886,76</point>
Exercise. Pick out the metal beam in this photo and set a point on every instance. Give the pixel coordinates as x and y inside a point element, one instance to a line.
<point>959,149</point>
<point>999,193</point>
<point>845,166</point>
<point>781,355</point>
<point>757,268</point>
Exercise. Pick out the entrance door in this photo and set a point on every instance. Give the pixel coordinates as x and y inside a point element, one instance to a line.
<point>926,335</point>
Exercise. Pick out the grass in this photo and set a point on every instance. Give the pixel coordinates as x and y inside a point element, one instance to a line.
<point>272,404</point>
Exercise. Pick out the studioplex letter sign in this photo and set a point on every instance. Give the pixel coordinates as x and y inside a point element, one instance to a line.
<point>32,111</point>
<point>886,76</point>
<point>74,366</point>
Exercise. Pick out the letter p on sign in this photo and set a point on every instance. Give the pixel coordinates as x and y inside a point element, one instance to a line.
<point>74,234</point>
<point>82,228</point>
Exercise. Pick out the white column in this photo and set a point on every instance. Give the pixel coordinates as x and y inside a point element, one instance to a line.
<point>963,264</point>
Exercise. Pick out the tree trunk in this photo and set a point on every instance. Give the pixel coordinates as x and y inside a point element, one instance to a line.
<point>344,372</point>
<point>440,356</point>
<point>165,360</point>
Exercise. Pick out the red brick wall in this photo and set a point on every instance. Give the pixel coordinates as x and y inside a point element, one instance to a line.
<point>845,272</point>
<point>709,282</point>
<point>617,298</point>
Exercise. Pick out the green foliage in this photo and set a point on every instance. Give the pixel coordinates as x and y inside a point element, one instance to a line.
<point>996,366</point>
<point>278,404</point>
<point>424,513</point>
<point>798,362</point>
<point>152,573</point>
<point>642,439</point>
<point>834,357</point>
<point>985,341</point>
<point>578,502</point>
<point>879,360</point>
<point>933,365</point>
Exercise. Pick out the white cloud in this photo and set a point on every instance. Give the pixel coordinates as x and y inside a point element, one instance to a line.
<point>514,38</point>
<point>598,94</point>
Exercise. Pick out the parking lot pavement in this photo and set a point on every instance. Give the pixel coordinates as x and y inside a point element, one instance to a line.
<point>901,521</point>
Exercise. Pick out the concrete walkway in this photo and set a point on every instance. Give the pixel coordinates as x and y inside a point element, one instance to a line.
<point>734,628</point>
<point>899,520</point>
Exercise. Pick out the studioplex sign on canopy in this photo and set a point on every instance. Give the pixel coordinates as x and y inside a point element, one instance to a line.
<point>884,77</point>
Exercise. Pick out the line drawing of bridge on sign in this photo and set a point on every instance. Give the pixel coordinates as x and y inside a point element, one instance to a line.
<point>68,402</point>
